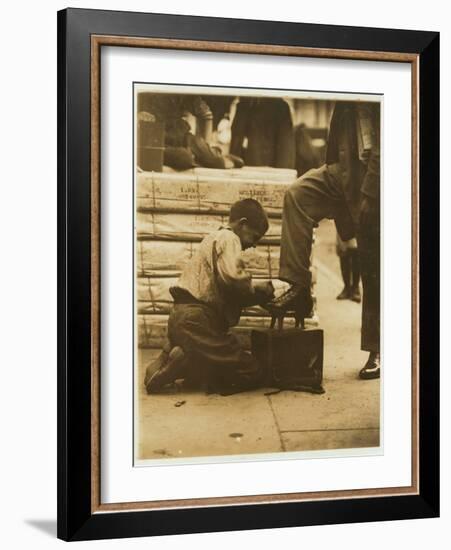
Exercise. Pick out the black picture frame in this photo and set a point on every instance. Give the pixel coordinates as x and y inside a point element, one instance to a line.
<point>76,519</point>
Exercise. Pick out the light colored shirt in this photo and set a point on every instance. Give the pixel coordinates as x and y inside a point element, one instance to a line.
<point>216,274</point>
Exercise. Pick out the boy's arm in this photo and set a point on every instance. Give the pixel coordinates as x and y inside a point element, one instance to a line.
<point>231,268</point>
<point>233,275</point>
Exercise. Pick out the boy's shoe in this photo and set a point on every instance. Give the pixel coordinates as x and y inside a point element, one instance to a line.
<point>168,373</point>
<point>355,295</point>
<point>158,363</point>
<point>372,368</point>
<point>345,294</point>
<point>296,298</point>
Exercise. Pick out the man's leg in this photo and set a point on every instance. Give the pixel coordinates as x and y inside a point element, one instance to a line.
<point>355,268</point>
<point>316,195</point>
<point>345,267</point>
<point>369,252</point>
<point>210,157</point>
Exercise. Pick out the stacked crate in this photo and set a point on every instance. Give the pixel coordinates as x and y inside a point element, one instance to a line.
<point>175,210</point>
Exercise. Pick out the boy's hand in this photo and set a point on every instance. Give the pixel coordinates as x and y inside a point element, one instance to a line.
<point>264,292</point>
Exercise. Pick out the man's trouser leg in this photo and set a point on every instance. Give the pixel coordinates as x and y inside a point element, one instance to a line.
<point>314,196</point>
<point>369,253</point>
<point>204,154</point>
<point>211,349</point>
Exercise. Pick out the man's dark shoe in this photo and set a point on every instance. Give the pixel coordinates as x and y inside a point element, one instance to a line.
<point>355,295</point>
<point>171,370</point>
<point>345,294</point>
<point>372,368</point>
<point>296,298</point>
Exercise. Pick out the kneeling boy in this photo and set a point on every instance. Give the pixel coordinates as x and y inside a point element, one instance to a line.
<point>212,290</point>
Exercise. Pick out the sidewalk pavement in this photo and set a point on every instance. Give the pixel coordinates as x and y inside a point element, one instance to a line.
<point>346,416</point>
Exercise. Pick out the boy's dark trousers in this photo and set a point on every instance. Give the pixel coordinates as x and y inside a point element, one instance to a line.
<point>213,354</point>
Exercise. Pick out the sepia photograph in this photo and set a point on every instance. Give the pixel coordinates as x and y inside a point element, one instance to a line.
<point>256,274</point>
